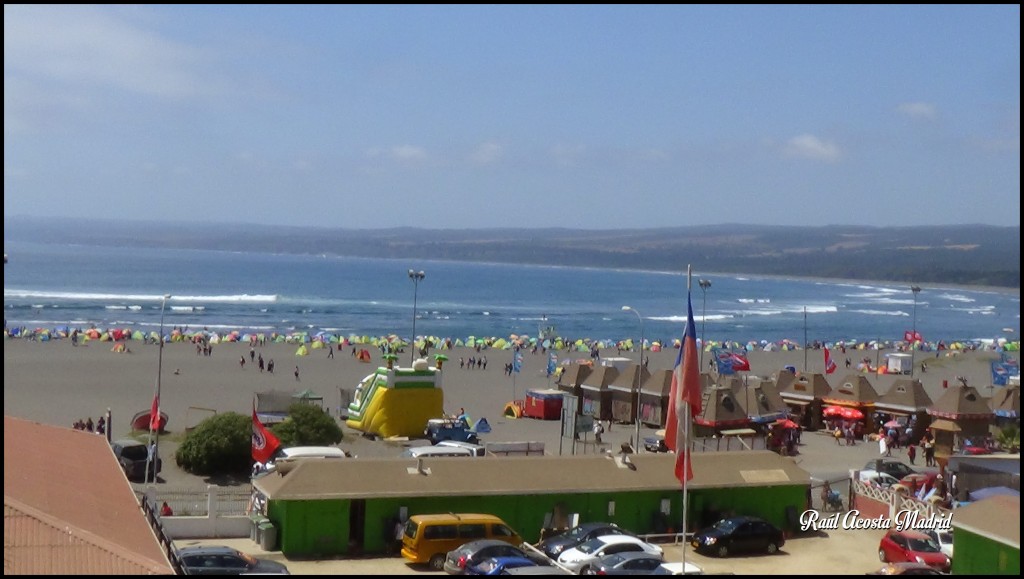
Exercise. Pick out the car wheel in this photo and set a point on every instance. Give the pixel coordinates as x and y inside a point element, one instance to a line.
<point>587,570</point>
<point>773,548</point>
<point>881,555</point>
<point>437,562</point>
<point>722,551</point>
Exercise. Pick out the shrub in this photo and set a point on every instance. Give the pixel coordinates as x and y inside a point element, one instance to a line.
<point>308,425</point>
<point>221,444</point>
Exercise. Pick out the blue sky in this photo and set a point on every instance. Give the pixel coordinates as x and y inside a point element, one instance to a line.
<point>523,116</point>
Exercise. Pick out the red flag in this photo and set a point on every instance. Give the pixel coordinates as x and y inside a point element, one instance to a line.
<point>912,336</point>
<point>154,414</point>
<point>830,364</point>
<point>264,443</point>
<point>685,390</point>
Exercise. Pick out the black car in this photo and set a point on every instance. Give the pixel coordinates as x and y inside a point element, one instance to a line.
<point>889,466</point>
<point>214,560</point>
<point>553,546</point>
<point>628,563</point>
<point>738,535</point>
<point>474,552</point>
<point>655,444</point>
<point>133,455</point>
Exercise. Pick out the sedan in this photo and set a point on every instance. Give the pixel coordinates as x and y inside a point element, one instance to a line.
<point>498,565</point>
<point>628,563</point>
<point>225,561</point>
<point>553,546</point>
<point>472,553</point>
<point>913,547</point>
<point>585,555</point>
<point>739,534</point>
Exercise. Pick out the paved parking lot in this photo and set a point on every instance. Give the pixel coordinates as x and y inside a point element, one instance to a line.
<point>833,553</point>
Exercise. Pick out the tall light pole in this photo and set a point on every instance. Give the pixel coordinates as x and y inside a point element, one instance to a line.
<point>915,290</point>
<point>639,373</point>
<point>705,284</point>
<point>416,277</point>
<point>155,454</point>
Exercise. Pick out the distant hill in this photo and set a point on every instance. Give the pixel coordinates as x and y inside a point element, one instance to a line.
<point>980,255</point>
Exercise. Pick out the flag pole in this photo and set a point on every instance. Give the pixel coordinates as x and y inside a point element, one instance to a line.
<point>686,425</point>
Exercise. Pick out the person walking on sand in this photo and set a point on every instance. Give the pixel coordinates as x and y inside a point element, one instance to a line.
<point>330,351</point>
<point>241,361</point>
<point>296,373</point>
<point>270,366</point>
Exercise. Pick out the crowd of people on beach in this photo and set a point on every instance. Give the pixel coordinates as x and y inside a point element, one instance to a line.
<point>100,427</point>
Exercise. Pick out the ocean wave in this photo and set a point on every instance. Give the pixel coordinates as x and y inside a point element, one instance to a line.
<point>754,300</point>
<point>87,296</point>
<point>878,312</point>
<point>696,318</point>
<point>956,298</point>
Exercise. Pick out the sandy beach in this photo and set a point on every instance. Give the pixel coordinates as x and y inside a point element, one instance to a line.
<point>57,383</point>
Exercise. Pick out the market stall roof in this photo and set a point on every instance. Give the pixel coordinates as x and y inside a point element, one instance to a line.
<point>961,403</point>
<point>905,395</point>
<point>626,381</point>
<point>853,389</point>
<point>806,387</point>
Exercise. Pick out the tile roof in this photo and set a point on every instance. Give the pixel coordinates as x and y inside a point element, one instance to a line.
<point>68,507</point>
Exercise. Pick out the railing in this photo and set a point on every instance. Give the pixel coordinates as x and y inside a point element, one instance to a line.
<point>152,514</point>
<point>193,502</point>
<point>898,501</point>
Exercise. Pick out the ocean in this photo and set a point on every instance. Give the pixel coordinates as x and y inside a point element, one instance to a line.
<point>56,286</point>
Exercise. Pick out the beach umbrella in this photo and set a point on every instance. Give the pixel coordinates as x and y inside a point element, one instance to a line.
<point>892,424</point>
<point>786,423</point>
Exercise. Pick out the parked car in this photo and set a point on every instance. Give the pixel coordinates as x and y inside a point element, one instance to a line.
<point>132,455</point>
<point>553,546</point>
<point>944,538</point>
<point>498,565</point>
<point>581,557</point>
<point>878,479</point>
<point>890,467</point>
<point>739,534</point>
<point>429,538</point>
<point>472,553</point>
<point>655,443</point>
<point>906,569</point>
<point>213,560</point>
<point>628,563</point>
<point>912,547</point>
<point>439,429</point>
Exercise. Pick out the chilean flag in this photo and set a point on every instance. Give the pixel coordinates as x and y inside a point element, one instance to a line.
<point>830,364</point>
<point>685,391</point>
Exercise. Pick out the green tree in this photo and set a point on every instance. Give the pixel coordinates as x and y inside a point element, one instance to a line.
<point>219,445</point>
<point>308,425</point>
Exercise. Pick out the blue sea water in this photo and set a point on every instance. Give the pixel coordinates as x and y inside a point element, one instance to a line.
<point>52,286</point>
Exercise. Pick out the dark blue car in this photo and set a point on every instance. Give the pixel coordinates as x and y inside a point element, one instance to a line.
<point>495,565</point>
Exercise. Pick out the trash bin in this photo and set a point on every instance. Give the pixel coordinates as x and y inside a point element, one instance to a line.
<point>268,536</point>
<point>256,520</point>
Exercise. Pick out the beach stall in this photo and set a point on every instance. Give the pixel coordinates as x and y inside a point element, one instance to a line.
<point>569,381</point>
<point>654,394</point>
<point>720,410</point>
<point>855,391</point>
<point>596,398</point>
<point>762,402</point>
<point>961,414</point>
<point>624,392</point>
<point>543,404</point>
<point>906,398</point>
<point>1005,404</point>
<point>804,394</point>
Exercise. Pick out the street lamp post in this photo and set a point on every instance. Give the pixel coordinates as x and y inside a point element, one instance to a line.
<point>915,290</point>
<point>704,285</point>
<point>639,373</point>
<point>154,456</point>
<point>416,277</point>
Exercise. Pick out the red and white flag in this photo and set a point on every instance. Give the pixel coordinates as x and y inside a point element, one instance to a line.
<point>830,364</point>
<point>264,443</point>
<point>685,391</point>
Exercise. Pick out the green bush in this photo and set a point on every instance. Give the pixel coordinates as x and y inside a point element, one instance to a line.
<point>307,425</point>
<point>219,445</point>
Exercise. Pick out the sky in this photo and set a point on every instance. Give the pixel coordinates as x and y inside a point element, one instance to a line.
<point>523,116</point>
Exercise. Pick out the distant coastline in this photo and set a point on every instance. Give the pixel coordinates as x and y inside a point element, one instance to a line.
<point>967,256</point>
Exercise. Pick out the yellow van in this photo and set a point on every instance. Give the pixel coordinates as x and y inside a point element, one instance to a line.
<point>428,538</point>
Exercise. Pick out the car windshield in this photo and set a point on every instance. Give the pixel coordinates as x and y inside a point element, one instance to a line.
<point>590,546</point>
<point>726,525</point>
<point>923,545</point>
<point>576,532</point>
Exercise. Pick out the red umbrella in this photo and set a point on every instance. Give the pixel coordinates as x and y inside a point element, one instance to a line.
<point>832,411</point>
<point>786,423</point>
<point>851,414</point>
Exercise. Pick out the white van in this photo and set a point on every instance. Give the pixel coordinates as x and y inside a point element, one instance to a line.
<point>424,451</point>
<point>303,452</point>
<point>476,449</point>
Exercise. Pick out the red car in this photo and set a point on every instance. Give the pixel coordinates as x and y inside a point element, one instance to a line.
<point>913,547</point>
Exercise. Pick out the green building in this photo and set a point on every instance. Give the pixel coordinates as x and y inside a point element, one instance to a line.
<point>986,537</point>
<point>337,507</point>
